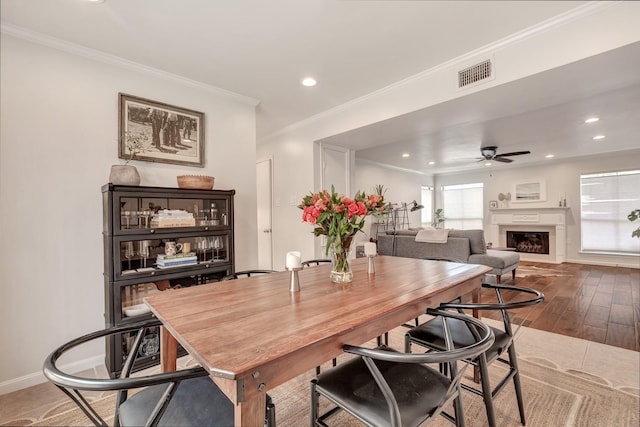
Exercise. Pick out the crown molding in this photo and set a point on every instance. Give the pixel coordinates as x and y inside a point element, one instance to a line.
<point>96,55</point>
<point>489,49</point>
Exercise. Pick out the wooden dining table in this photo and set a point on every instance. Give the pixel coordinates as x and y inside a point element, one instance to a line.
<point>254,334</point>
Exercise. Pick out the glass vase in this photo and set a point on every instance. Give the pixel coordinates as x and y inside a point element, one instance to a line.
<point>341,261</point>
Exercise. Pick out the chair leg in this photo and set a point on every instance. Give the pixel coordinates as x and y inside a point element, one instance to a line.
<point>314,404</point>
<point>498,277</point>
<point>516,382</point>
<point>271,413</point>
<point>486,390</point>
<point>457,409</point>
<point>513,274</point>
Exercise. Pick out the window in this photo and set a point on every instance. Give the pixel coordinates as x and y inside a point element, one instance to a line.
<point>426,200</point>
<point>605,201</point>
<point>463,206</point>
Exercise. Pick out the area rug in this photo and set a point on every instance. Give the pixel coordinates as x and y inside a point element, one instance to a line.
<point>552,399</point>
<point>529,270</point>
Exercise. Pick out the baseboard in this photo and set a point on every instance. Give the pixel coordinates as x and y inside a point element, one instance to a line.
<point>604,263</point>
<point>36,378</point>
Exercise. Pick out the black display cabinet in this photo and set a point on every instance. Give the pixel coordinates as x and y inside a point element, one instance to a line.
<point>142,228</point>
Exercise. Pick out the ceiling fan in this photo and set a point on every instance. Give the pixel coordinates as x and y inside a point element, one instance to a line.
<point>489,153</point>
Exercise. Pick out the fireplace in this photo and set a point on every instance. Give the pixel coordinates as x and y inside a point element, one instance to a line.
<point>533,242</point>
<point>551,220</point>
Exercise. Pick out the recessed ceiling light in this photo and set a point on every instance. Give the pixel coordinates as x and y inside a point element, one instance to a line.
<point>406,155</point>
<point>550,156</point>
<point>597,137</point>
<point>592,120</point>
<point>432,163</point>
<point>309,81</point>
<point>95,1</point>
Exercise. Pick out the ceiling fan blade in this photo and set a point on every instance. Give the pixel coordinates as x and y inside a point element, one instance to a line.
<point>514,153</point>
<point>500,159</point>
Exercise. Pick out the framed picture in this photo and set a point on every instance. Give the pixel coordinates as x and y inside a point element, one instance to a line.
<point>152,131</point>
<point>529,191</point>
<point>493,204</point>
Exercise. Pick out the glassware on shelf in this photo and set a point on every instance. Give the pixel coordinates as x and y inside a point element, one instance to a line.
<point>127,219</point>
<point>203,245</point>
<point>217,244</point>
<point>128,253</point>
<point>143,251</point>
<point>145,218</point>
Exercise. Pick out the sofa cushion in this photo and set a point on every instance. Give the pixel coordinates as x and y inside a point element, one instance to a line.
<point>495,259</point>
<point>403,232</point>
<point>476,239</point>
<point>456,249</point>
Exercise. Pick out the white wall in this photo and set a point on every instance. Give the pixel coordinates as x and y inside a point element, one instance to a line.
<point>58,141</point>
<point>561,177</point>
<point>597,28</point>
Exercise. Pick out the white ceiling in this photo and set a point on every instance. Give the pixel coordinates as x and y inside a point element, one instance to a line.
<point>262,49</point>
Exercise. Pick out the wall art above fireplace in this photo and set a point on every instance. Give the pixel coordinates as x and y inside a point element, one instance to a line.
<point>532,190</point>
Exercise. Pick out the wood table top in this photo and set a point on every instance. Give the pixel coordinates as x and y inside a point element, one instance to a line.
<point>235,328</point>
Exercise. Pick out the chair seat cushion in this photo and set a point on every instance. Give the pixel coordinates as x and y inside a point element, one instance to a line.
<point>431,334</point>
<point>196,402</point>
<point>495,259</point>
<point>351,386</point>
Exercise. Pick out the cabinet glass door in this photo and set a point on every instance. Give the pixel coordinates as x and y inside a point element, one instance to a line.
<point>165,213</point>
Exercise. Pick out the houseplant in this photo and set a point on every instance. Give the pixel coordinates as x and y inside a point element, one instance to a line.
<point>635,214</point>
<point>339,218</point>
<point>128,174</point>
<point>438,218</point>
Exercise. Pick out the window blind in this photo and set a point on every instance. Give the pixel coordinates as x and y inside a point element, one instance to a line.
<point>463,206</point>
<point>426,200</point>
<point>605,201</point>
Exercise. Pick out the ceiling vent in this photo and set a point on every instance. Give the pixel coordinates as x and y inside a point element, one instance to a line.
<point>475,73</point>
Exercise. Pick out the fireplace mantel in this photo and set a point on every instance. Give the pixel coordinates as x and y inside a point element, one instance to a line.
<point>550,218</point>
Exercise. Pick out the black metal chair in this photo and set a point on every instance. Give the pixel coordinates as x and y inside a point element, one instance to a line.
<point>431,335</point>
<point>246,273</point>
<point>186,397</point>
<point>383,387</point>
<point>314,262</point>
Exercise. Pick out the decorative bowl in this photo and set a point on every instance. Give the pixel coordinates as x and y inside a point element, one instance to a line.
<point>199,182</point>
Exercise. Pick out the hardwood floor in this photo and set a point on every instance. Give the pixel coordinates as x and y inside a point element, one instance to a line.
<point>595,303</point>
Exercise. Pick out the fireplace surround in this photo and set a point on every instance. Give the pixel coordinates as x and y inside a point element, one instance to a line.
<point>531,220</point>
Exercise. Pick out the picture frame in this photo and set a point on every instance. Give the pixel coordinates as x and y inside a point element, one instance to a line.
<point>153,131</point>
<point>493,204</point>
<point>527,191</point>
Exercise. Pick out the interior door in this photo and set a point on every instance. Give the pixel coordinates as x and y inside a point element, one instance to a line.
<point>335,169</point>
<point>264,187</point>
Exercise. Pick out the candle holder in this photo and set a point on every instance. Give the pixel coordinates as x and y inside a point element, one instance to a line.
<point>371,269</point>
<point>294,285</point>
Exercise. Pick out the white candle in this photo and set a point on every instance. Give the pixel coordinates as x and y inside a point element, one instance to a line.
<point>370,249</point>
<point>294,260</point>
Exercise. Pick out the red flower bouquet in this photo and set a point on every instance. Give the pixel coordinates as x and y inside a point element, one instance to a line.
<point>339,218</point>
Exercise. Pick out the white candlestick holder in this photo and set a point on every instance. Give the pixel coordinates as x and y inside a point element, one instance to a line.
<point>371,269</point>
<point>294,285</point>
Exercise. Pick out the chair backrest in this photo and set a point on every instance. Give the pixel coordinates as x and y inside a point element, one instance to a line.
<point>483,339</point>
<point>314,262</point>
<point>72,385</point>
<point>526,297</point>
<point>246,273</point>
